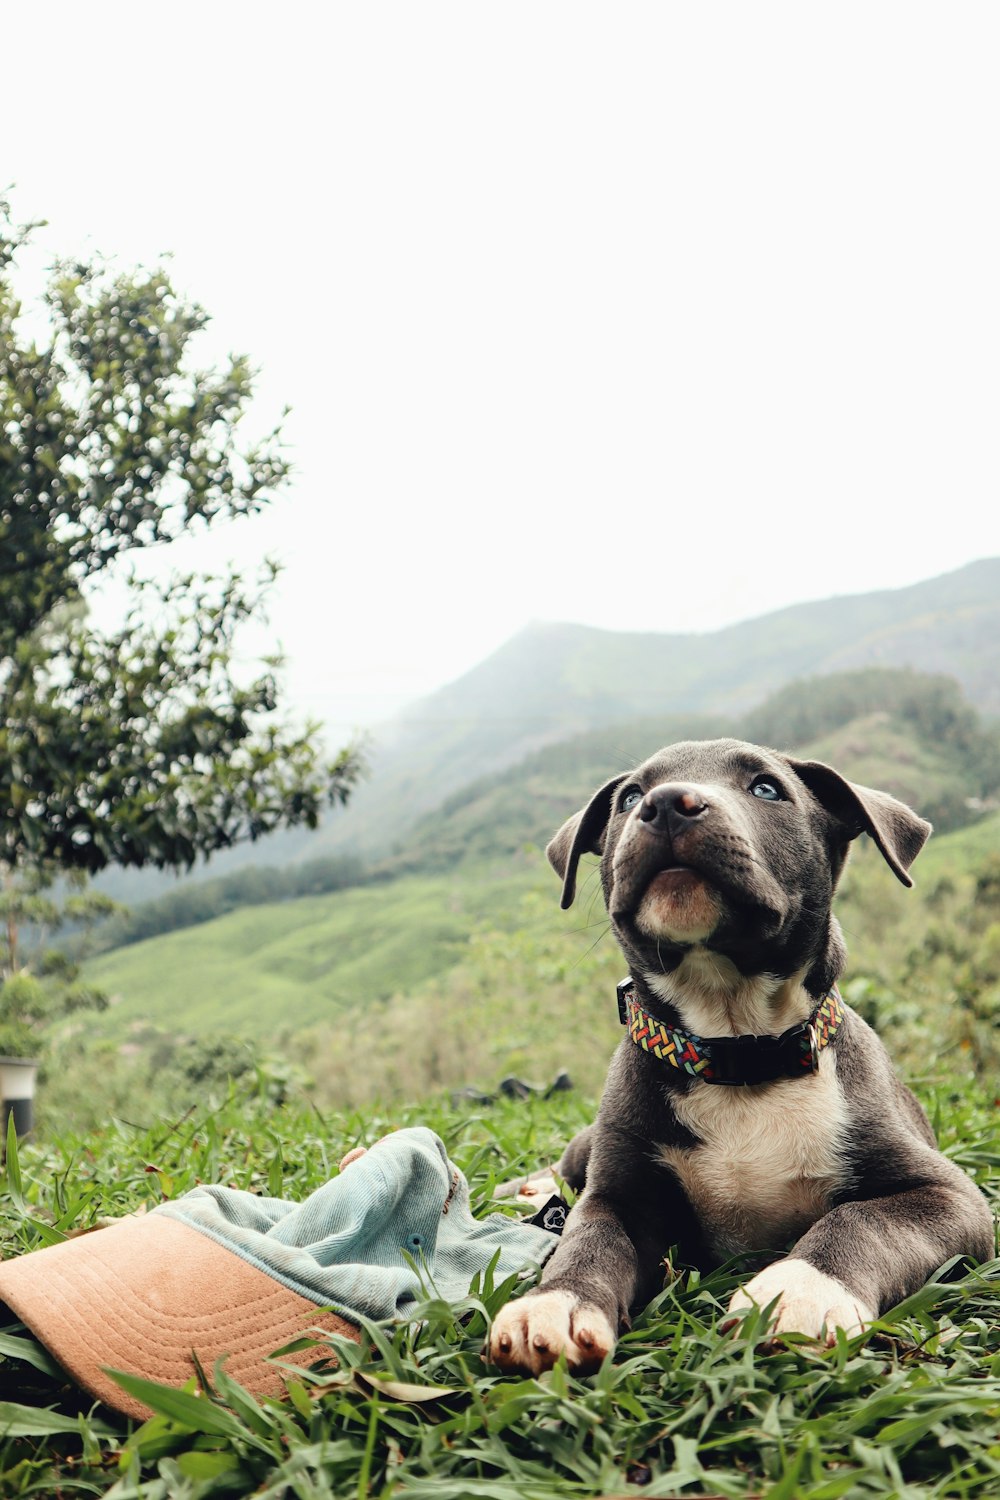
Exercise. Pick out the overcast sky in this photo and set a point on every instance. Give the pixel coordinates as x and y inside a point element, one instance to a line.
<point>650,316</point>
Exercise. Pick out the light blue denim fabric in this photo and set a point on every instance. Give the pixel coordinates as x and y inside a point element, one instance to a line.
<point>347,1245</point>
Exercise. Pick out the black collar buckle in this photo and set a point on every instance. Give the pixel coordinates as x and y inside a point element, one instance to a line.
<point>741,1060</point>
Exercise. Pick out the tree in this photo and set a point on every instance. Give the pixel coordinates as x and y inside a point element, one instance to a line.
<point>43,984</point>
<point>143,745</point>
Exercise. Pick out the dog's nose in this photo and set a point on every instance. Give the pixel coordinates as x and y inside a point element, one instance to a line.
<point>671,805</point>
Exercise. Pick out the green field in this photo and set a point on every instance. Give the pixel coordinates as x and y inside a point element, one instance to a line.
<point>442,981</point>
<point>292,964</point>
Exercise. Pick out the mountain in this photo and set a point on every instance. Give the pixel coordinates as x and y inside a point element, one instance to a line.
<point>551,682</point>
<point>907,732</point>
<point>434,967</point>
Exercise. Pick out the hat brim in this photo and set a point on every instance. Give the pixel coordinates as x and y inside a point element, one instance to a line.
<point>144,1294</point>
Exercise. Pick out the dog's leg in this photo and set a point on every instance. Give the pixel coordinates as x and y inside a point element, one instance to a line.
<point>573,1163</point>
<point>586,1291</point>
<point>610,1258</point>
<point>863,1257</point>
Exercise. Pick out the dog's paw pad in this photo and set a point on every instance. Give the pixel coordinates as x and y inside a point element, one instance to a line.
<point>354,1155</point>
<point>805,1301</point>
<point>537,1190</point>
<point>531,1333</point>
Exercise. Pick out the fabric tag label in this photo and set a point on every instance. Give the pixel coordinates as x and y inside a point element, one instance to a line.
<point>551,1215</point>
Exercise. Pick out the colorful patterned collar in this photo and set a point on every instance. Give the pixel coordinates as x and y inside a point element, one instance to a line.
<point>736,1060</point>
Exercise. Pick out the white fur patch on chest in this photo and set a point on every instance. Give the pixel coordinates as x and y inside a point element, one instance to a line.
<point>769,1157</point>
<point>714,999</point>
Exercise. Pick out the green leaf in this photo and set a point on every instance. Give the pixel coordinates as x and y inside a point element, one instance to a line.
<point>787,1487</point>
<point>196,1413</point>
<point>242,1403</point>
<point>917,1426</point>
<point>299,1398</point>
<point>31,1352</point>
<point>195,1465</point>
<point>30,1421</point>
<point>275,1174</point>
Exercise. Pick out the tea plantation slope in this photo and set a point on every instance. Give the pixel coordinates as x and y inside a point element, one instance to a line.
<point>454,971</point>
<point>294,963</point>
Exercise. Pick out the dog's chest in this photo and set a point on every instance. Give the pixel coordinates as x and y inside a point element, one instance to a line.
<point>768,1158</point>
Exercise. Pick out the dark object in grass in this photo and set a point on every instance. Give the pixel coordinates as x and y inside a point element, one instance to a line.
<point>514,1088</point>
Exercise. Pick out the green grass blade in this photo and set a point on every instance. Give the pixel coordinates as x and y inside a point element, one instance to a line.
<point>31,1421</point>
<point>13,1165</point>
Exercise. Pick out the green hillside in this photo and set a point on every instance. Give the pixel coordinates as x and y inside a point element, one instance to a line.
<point>922,962</point>
<point>433,981</point>
<point>285,965</point>
<point>555,682</point>
<point>453,965</point>
<point>905,732</point>
<point>909,733</point>
<point>497,815</point>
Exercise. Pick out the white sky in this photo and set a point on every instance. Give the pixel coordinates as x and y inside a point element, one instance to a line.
<point>651,316</point>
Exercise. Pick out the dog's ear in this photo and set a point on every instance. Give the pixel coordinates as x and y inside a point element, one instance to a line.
<point>897,830</point>
<point>583,833</point>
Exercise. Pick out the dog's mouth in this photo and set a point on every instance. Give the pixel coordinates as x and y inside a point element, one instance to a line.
<point>684,905</point>
<point>674,877</point>
<point>634,883</point>
<point>702,883</point>
<point>677,903</point>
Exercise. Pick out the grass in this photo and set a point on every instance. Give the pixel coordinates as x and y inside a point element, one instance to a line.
<point>680,1409</point>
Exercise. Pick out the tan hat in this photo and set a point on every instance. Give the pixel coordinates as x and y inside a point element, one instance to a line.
<point>144,1293</point>
<point>223,1274</point>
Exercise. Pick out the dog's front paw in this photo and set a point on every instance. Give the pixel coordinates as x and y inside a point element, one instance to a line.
<point>808,1301</point>
<point>530,1334</point>
<point>531,1192</point>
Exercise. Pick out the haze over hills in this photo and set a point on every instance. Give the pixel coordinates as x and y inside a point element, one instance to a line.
<point>910,733</point>
<point>551,682</point>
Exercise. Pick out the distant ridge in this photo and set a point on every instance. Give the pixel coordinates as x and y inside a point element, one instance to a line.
<point>553,681</point>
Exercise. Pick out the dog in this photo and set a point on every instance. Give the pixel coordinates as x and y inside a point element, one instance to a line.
<point>748,1106</point>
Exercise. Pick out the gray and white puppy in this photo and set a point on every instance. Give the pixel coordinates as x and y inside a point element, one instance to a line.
<point>719,860</point>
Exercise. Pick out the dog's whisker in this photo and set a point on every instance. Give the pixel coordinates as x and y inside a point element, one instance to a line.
<point>586,954</point>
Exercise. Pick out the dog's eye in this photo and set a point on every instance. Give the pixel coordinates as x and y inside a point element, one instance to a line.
<point>629,797</point>
<point>767,791</point>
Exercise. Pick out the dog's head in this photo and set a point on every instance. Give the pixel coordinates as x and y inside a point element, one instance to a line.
<point>727,846</point>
